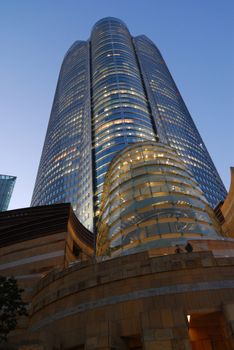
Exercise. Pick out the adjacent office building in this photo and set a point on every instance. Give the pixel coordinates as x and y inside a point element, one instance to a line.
<point>7,183</point>
<point>114,90</point>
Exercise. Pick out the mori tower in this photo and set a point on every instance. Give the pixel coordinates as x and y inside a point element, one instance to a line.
<point>113,91</point>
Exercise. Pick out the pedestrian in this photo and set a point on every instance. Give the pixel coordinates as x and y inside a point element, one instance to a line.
<point>189,247</point>
<point>178,250</point>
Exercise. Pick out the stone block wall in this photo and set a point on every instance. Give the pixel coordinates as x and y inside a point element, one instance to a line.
<point>135,302</point>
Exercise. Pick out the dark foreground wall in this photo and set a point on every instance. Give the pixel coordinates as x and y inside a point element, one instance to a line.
<point>178,301</point>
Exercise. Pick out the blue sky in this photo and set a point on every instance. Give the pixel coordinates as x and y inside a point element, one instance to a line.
<point>194,36</point>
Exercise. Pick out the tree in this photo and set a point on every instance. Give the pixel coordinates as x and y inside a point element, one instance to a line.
<point>11,306</point>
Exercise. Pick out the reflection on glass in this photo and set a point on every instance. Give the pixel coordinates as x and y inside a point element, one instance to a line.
<point>143,207</point>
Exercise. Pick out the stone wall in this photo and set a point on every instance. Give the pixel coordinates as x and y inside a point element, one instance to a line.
<point>135,302</point>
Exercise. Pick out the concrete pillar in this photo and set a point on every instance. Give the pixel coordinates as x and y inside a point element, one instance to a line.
<point>165,329</point>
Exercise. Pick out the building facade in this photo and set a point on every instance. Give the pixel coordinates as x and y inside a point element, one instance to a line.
<point>152,299</point>
<point>114,90</point>
<point>7,183</point>
<point>151,200</point>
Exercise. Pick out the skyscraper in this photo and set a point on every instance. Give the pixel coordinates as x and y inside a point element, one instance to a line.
<point>114,90</point>
<point>7,183</point>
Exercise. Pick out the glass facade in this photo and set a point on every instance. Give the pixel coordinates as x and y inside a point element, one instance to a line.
<point>113,91</point>
<point>150,200</point>
<point>65,170</point>
<point>173,121</point>
<point>121,114</point>
<point>7,184</point>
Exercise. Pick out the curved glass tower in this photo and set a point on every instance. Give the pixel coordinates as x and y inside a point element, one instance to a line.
<point>65,170</point>
<point>151,200</point>
<point>121,113</point>
<point>114,90</point>
<point>173,120</point>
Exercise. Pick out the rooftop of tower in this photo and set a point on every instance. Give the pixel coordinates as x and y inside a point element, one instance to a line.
<point>108,19</point>
<point>77,42</point>
<point>101,21</point>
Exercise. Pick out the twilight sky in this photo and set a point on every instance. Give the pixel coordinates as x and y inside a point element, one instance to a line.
<point>194,36</point>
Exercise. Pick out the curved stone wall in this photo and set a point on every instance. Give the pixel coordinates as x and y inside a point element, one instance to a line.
<point>135,298</point>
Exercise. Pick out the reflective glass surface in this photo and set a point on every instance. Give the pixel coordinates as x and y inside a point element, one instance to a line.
<point>113,91</point>
<point>120,110</point>
<point>7,183</point>
<point>173,121</point>
<point>151,199</point>
<point>65,171</point>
